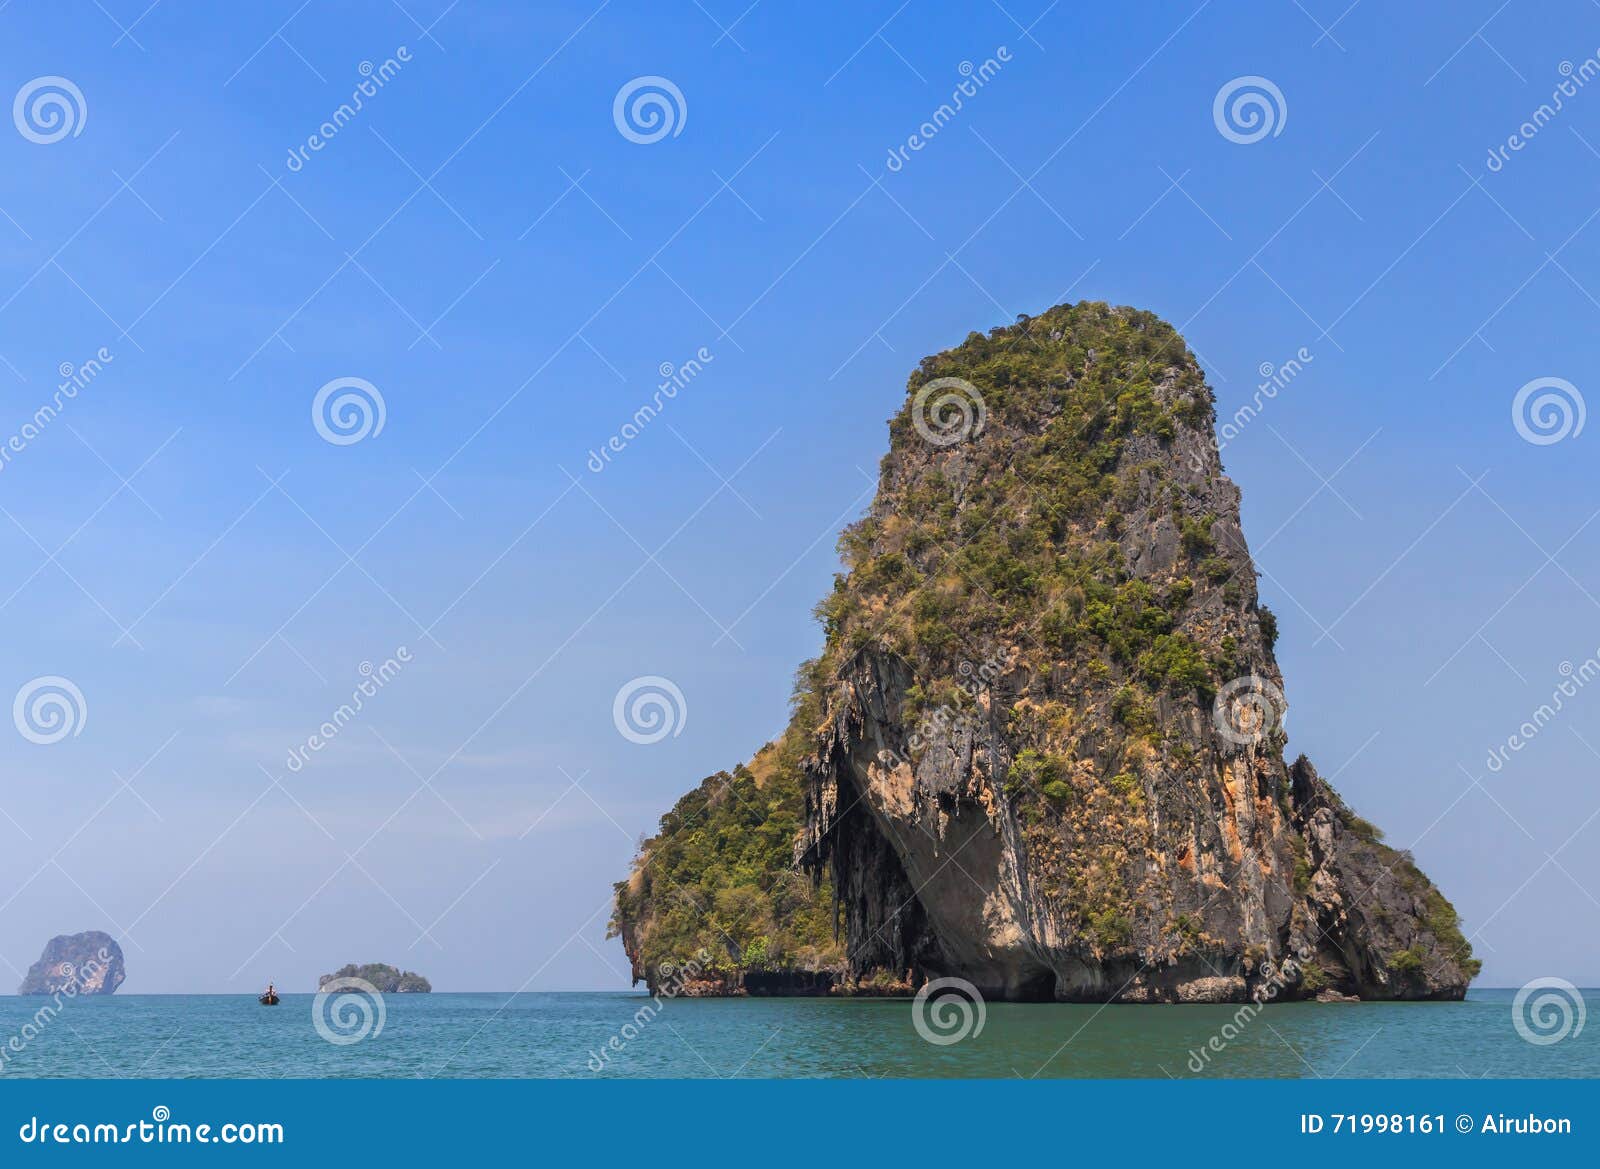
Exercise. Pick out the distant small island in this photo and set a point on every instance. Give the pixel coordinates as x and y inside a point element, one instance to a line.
<point>387,979</point>
<point>74,964</point>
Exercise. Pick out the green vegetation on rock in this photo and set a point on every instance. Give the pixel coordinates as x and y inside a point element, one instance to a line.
<point>718,886</point>
<point>384,978</point>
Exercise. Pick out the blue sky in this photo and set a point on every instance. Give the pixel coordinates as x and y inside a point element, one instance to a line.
<point>482,245</point>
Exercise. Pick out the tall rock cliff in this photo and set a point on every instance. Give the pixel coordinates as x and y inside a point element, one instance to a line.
<point>1042,749</point>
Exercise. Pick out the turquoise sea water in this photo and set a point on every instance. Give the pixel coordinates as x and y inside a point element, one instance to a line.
<point>560,1035</point>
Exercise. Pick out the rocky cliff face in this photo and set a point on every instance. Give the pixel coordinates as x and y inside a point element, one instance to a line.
<point>86,963</point>
<point>1043,746</point>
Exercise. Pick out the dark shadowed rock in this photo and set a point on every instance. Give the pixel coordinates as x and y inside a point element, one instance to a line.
<point>86,963</point>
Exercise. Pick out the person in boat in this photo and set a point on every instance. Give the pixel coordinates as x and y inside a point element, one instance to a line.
<point>271,994</point>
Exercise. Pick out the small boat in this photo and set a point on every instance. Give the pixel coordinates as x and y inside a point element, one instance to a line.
<point>268,1000</point>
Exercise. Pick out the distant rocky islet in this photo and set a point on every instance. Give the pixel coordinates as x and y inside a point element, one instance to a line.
<point>91,963</point>
<point>382,977</point>
<point>76,964</point>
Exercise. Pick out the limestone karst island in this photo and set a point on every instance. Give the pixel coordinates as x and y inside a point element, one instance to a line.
<point>1042,747</point>
<point>74,964</point>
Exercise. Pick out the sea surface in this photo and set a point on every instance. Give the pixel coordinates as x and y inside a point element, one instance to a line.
<point>571,1035</point>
